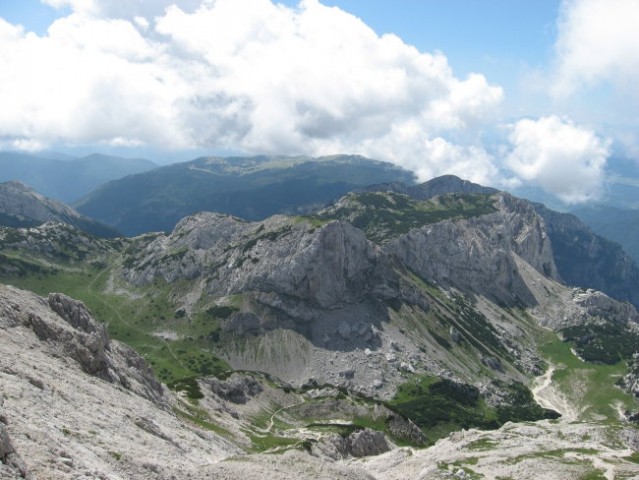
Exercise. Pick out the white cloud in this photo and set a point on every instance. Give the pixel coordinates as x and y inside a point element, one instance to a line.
<point>246,75</point>
<point>129,9</point>
<point>564,159</point>
<point>597,42</point>
<point>408,145</point>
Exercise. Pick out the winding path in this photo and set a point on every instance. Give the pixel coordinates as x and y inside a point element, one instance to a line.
<point>548,396</point>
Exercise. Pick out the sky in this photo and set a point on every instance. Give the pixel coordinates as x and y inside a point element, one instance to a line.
<point>501,92</point>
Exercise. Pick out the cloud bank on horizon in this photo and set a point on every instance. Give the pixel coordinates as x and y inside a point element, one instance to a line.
<point>255,76</point>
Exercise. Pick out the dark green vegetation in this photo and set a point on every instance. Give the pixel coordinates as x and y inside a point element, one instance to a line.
<point>386,215</point>
<point>440,406</point>
<point>602,343</point>
<point>70,178</point>
<point>250,188</point>
<point>14,267</point>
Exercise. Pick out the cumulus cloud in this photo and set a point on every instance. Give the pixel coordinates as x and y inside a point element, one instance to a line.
<point>122,8</point>
<point>597,42</point>
<point>564,159</point>
<point>245,75</point>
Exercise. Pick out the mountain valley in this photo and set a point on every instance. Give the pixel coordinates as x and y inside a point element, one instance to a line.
<point>436,331</point>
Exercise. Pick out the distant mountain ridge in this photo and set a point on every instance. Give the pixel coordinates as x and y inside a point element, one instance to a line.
<point>21,206</point>
<point>441,185</point>
<point>252,188</point>
<point>67,179</point>
<point>618,224</point>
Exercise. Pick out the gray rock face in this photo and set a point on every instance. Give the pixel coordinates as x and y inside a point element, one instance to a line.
<point>327,266</point>
<point>362,443</point>
<point>333,265</point>
<point>86,341</point>
<point>366,442</point>
<point>401,427</point>
<point>631,379</point>
<point>70,331</point>
<point>599,305</point>
<point>8,456</point>
<point>236,389</point>
<point>59,421</point>
<point>477,255</point>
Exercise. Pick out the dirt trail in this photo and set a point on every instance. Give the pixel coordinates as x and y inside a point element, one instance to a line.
<point>547,395</point>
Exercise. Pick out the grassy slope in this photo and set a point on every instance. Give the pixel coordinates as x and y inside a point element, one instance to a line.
<point>590,387</point>
<point>134,321</point>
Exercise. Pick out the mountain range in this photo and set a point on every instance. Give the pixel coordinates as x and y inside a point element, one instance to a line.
<point>252,188</point>
<point>67,178</point>
<point>441,330</point>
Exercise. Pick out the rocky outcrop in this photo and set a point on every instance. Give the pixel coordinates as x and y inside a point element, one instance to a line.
<point>326,266</point>
<point>65,422</point>
<point>477,255</point>
<point>595,304</point>
<point>334,264</point>
<point>631,380</point>
<point>474,256</point>
<point>360,443</point>
<point>528,234</point>
<point>67,330</point>
<point>237,389</point>
<point>401,427</point>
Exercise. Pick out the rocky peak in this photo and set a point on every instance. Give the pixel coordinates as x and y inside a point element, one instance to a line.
<point>437,186</point>
<point>447,184</point>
